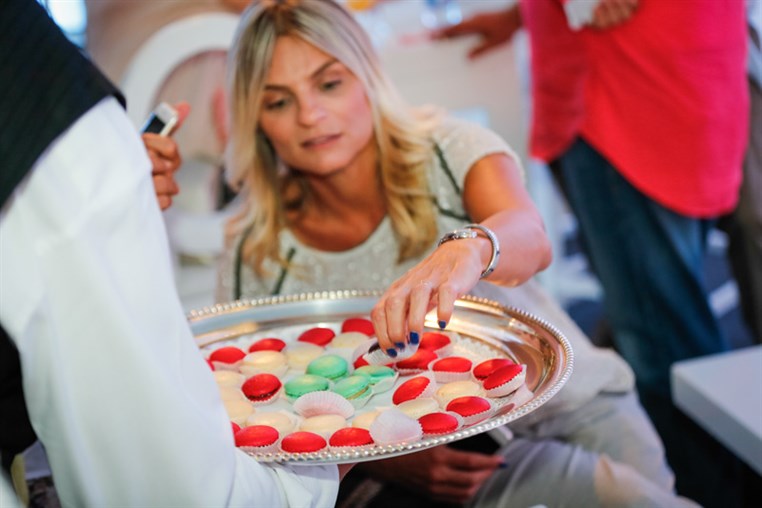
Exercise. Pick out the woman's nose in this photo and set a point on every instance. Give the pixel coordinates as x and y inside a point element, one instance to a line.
<point>310,111</point>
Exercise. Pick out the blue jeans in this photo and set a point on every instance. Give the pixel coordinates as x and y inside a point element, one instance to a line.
<point>650,263</point>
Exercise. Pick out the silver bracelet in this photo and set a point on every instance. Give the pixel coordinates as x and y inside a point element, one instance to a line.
<point>471,231</point>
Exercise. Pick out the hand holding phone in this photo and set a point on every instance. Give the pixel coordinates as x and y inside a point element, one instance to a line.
<point>162,120</point>
<point>162,150</point>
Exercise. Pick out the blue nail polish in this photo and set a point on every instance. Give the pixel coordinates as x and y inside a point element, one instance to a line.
<point>400,345</point>
<point>391,352</point>
<point>503,465</point>
<point>414,338</point>
<point>442,324</point>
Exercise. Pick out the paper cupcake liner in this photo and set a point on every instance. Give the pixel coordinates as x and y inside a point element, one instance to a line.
<point>377,356</point>
<point>261,449</point>
<point>444,377</point>
<point>385,384</point>
<point>394,427</point>
<point>322,403</point>
<point>511,386</point>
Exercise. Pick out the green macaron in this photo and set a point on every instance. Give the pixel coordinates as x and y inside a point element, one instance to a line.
<point>305,383</point>
<point>328,366</point>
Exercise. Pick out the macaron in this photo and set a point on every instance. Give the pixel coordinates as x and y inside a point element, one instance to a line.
<point>328,366</point>
<point>349,340</point>
<point>261,388</point>
<point>228,378</point>
<point>487,367</point>
<point>299,354</point>
<point>452,368</point>
<point>350,436</point>
<point>449,391</point>
<point>435,341</point>
<point>272,362</point>
<point>355,389</point>
<point>302,442</point>
<point>319,336</point>
<point>235,427</point>
<point>357,324</point>
<point>419,386</point>
<point>365,420</point>
<point>267,344</point>
<point>505,380</point>
<point>323,425</point>
<point>257,436</point>
<point>416,408</point>
<point>417,363</point>
<point>381,377</point>
<point>227,354</point>
<point>282,421</point>
<point>238,410</point>
<point>439,423</point>
<point>473,409</point>
<point>306,383</point>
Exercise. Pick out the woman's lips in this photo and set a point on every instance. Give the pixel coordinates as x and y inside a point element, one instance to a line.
<point>320,141</point>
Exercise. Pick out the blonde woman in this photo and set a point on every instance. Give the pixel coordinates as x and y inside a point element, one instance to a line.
<point>344,186</point>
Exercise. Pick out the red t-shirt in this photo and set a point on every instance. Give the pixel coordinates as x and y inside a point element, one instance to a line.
<point>663,96</point>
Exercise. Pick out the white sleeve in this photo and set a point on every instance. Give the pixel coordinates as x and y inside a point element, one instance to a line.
<point>117,391</point>
<point>464,143</point>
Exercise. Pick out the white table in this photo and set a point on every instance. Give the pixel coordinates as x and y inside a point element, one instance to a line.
<point>723,394</point>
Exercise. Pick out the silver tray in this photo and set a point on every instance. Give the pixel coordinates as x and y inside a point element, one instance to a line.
<point>485,328</point>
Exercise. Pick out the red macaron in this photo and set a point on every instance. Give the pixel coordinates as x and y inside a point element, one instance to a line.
<point>318,335</point>
<point>361,325</point>
<point>351,436</point>
<point>268,344</point>
<point>261,387</point>
<point>302,442</point>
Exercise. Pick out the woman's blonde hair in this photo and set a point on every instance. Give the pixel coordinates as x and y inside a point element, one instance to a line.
<point>402,136</point>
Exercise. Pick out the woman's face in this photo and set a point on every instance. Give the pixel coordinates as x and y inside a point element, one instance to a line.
<point>314,110</point>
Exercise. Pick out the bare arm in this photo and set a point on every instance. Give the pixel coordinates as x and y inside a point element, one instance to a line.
<point>495,197</point>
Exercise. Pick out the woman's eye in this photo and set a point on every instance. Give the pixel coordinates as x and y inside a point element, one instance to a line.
<point>330,85</point>
<point>276,104</point>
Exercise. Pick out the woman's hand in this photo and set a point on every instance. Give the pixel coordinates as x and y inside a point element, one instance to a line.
<point>165,160</point>
<point>449,272</point>
<point>443,473</point>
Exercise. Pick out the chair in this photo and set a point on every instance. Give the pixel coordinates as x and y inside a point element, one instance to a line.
<point>192,235</point>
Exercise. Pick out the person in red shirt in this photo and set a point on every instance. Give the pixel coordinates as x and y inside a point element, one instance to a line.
<point>645,113</point>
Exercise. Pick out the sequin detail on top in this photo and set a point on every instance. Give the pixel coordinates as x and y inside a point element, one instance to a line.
<point>373,264</point>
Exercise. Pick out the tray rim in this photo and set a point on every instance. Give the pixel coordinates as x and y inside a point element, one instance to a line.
<point>337,456</point>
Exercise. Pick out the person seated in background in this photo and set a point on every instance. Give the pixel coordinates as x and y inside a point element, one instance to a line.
<point>96,357</point>
<point>346,187</point>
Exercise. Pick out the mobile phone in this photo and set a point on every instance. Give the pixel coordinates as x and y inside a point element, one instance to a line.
<point>161,120</point>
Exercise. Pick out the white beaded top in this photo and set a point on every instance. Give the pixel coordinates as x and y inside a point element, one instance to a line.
<point>372,264</point>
